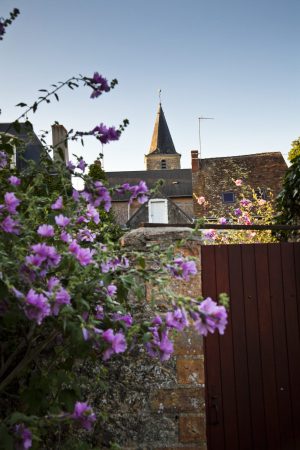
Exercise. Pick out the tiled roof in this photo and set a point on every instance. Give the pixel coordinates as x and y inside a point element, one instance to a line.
<point>177,182</point>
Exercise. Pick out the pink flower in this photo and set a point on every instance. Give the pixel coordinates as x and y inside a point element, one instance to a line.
<point>238,182</point>
<point>223,220</point>
<point>45,230</point>
<point>210,317</point>
<point>201,200</point>
<point>58,204</point>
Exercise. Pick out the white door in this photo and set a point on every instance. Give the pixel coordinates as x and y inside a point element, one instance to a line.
<point>158,211</point>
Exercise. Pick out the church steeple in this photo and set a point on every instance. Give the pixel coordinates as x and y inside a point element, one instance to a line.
<point>162,153</point>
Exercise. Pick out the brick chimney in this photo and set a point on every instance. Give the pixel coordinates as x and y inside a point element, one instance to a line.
<point>195,160</point>
<point>60,143</point>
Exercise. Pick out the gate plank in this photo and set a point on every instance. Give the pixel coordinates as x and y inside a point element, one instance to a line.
<point>266,347</point>
<point>226,354</point>
<point>240,348</point>
<point>292,328</point>
<point>253,349</point>
<point>280,348</point>
<point>214,405</point>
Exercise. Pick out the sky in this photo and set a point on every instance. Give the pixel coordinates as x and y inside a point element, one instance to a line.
<point>236,61</point>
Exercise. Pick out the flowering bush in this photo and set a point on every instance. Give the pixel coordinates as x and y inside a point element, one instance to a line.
<point>252,209</point>
<point>64,288</point>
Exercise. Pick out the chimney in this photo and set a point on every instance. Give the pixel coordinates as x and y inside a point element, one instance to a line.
<point>60,143</point>
<point>195,160</point>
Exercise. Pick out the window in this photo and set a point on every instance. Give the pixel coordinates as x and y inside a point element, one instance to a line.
<point>158,210</point>
<point>163,164</point>
<point>228,197</point>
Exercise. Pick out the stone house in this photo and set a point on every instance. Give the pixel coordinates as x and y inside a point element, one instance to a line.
<point>174,201</point>
<point>213,178</point>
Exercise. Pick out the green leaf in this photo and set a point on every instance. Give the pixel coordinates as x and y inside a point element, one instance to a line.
<point>6,440</point>
<point>21,104</point>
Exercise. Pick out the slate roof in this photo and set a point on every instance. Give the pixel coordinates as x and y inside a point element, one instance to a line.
<point>33,144</point>
<point>162,142</point>
<point>177,182</point>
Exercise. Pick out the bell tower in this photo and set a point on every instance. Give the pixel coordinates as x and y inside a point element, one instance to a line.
<point>162,154</point>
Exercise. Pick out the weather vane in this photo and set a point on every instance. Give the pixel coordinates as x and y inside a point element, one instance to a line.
<point>159,95</point>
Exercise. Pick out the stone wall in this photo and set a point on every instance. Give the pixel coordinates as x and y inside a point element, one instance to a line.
<point>153,405</point>
<point>213,176</point>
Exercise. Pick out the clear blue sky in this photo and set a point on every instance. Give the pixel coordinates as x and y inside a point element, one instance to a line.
<point>234,60</point>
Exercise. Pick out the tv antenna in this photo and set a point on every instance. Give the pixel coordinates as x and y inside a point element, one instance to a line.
<point>202,118</point>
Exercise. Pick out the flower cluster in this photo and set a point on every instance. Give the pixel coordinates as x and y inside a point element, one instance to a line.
<point>105,134</point>
<point>99,85</point>
<point>182,268</point>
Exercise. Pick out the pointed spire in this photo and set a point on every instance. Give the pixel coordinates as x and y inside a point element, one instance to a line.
<point>162,142</point>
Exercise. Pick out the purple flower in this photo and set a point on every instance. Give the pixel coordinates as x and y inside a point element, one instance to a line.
<point>102,196</point>
<point>81,164</point>
<point>86,235</point>
<point>75,195</point>
<point>23,437</point>
<point>62,297</point>
<point>83,255</point>
<point>117,343</point>
<point>10,225</point>
<point>99,312</point>
<point>223,220</point>
<point>237,212</point>
<point>46,230</point>
<point>160,345</point>
<point>126,318</point>
<point>74,247</point>
<point>71,166</point>
<point>36,306</point>
<point>52,282</point>
<point>103,85</point>
<point>11,202</point>
<point>211,317</point>
<point>210,234</point>
<point>84,415</point>
<point>177,319</point>
<point>47,253</point>
<point>3,155</point>
<point>66,237</point>
<point>182,269</point>
<point>139,191</point>
<point>58,204</point>
<point>105,134</point>
<point>62,221</point>
<point>15,181</point>
<point>245,202</point>
<point>93,214</point>
<point>111,290</point>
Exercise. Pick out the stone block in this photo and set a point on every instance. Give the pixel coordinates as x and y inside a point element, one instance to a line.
<point>188,343</point>
<point>178,400</point>
<point>190,371</point>
<point>191,429</point>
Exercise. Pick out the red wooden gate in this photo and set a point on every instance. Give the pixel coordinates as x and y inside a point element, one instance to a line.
<point>253,371</point>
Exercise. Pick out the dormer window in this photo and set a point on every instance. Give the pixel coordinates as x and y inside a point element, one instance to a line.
<point>163,164</point>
